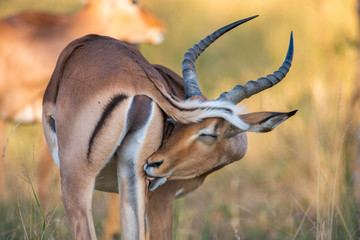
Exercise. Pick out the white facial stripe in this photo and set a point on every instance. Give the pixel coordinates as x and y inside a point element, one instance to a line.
<point>193,137</point>
<point>206,131</point>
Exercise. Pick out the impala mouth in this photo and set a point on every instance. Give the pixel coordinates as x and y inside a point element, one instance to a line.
<point>149,167</point>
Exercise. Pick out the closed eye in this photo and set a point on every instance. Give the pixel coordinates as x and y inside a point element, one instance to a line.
<point>208,138</point>
<point>208,135</point>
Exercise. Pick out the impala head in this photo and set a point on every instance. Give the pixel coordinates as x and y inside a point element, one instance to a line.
<point>142,26</point>
<point>204,146</point>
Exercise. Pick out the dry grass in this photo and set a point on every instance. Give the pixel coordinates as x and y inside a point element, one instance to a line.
<point>294,183</point>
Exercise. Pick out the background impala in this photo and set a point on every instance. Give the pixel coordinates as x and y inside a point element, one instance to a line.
<point>289,193</point>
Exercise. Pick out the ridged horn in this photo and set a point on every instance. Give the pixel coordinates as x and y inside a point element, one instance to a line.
<point>239,92</point>
<point>191,83</point>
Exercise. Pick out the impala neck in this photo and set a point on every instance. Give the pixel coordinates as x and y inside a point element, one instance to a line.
<point>90,19</point>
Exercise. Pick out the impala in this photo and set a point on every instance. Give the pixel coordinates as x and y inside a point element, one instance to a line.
<point>108,116</point>
<point>31,42</point>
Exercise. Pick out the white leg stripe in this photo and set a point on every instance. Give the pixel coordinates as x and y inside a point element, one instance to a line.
<point>128,178</point>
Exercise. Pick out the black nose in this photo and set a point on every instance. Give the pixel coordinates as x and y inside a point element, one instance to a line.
<point>155,164</point>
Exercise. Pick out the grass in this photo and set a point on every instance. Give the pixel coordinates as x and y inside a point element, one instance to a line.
<point>297,182</point>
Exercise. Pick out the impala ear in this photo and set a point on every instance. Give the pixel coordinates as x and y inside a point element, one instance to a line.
<point>260,122</point>
<point>168,128</point>
<point>265,121</point>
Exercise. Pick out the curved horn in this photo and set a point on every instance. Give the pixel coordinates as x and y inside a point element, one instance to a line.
<point>239,92</point>
<point>191,83</point>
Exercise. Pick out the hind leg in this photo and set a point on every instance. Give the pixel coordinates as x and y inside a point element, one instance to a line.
<point>77,193</point>
<point>137,146</point>
<point>132,194</point>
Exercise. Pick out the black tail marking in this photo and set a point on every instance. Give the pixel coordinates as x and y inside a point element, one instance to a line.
<point>52,124</point>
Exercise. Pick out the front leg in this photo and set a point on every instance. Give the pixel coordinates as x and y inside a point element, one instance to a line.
<point>161,211</point>
<point>142,139</point>
<point>161,205</point>
<point>132,199</point>
<point>77,191</point>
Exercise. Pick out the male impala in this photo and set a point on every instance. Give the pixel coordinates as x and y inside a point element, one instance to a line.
<point>31,42</point>
<point>104,114</point>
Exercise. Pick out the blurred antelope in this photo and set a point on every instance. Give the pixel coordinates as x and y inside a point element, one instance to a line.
<point>31,42</point>
<point>105,114</point>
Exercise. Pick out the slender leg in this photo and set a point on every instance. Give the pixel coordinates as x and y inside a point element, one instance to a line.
<point>132,200</point>
<point>161,210</point>
<point>161,205</point>
<point>137,146</point>
<point>77,195</point>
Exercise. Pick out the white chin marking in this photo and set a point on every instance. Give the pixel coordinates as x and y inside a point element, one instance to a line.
<point>158,38</point>
<point>157,183</point>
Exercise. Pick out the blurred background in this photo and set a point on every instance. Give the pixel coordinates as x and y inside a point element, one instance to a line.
<point>298,182</point>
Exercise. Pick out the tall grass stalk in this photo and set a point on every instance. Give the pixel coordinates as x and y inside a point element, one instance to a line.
<point>7,141</point>
<point>22,219</point>
<point>302,221</point>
